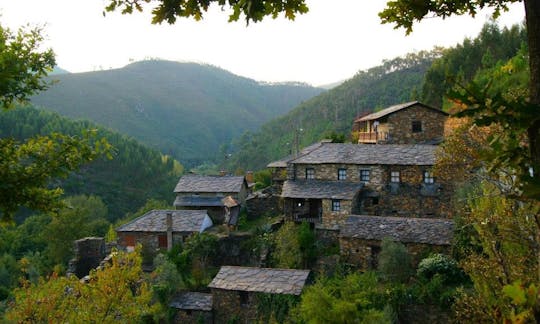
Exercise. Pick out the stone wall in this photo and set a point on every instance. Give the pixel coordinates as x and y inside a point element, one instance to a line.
<point>232,305</point>
<point>400,125</point>
<point>333,219</point>
<point>329,172</point>
<point>193,317</point>
<point>364,253</point>
<point>266,202</point>
<point>88,254</point>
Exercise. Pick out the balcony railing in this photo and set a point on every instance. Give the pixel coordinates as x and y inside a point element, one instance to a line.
<point>372,137</point>
<point>307,218</point>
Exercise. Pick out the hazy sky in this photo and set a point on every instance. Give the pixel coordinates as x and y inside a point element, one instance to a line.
<point>330,43</point>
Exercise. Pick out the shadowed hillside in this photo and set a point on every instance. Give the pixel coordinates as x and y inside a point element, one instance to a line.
<point>186,110</point>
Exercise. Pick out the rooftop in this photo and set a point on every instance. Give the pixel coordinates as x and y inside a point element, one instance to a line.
<point>283,162</point>
<point>370,154</point>
<point>156,221</point>
<point>435,231</point>
<point>266,280</point>
<point>318,189</point>
<point>192,301</point>
<point>199,183</point>
<point>393,109</point>
<point>195,201</point>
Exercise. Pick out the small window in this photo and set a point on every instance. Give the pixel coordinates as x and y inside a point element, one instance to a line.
<point>244,298</point>
<point>342,174</point>
<point>130,240</point>
<point>162,241</point>
<point>375,201</point>
<point>364,175</point>
<point>336,205</point>
<point>395,177</point>
<point>428,177</point>
<point>416,126</point>
<point>310,173</point>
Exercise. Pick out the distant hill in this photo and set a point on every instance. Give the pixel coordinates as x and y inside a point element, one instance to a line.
<point>395,81</point>
<point>58,70</point>
<point>135,174</point>
<point>186,110</point>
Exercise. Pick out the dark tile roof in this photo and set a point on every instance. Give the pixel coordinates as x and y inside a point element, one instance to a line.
<point>283,162</point>
<point>195,201</point>
<point>266,280</point>
<point>435,231</point>
<point>156,221</point>
<point>198,183</point>
<point>192,301</point>
<point>395,108</point>
<point>317,189</point>
<point>370,154</point>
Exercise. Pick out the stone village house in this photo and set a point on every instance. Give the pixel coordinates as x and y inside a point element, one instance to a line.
<point>161,229</point>
<point>221,196</point>
<point>407,123</point>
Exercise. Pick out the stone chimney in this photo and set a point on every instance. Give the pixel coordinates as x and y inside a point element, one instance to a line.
<point>249,177</point>
<point>169,231</point>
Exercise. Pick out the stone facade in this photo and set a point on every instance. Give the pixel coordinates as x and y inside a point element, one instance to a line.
<point>364,253</point>
<point>88,254</point>
<point>409,123</point>
<point>234,305</point>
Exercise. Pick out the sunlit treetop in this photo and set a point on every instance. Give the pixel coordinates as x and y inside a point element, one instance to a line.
<point>404,13</point>
<point>251,10</point>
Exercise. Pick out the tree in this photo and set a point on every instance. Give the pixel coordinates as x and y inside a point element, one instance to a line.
<point>117,292</point>
<point>27,168</point>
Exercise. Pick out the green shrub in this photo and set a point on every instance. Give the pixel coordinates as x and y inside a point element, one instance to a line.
<point>394,262</point>
<point>442,265</point>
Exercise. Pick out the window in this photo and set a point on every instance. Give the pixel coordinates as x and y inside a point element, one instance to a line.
<point>416,126</point>
<point>395,177</point>
<point>310,173</point>
<point>162,241</point>
<point>244,298</point>
<point>342,174</point>
<point>130,240</point>
<point>364,175</point>
<point>428,177</point>
<point>336,205</point>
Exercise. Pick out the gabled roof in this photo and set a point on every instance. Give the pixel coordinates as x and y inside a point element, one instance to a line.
<point>435,231</point>
<point>395,108</point>
<point>283,162</point>
<point>199,183</point>
<point>192,301</point>
<point>318,189</point>
<point>266,280</point>
<point>156,221</point>
<point>370,154</point>
<point>196,201</point>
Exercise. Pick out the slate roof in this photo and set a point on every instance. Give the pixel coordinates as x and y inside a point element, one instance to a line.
<point>156,221</point>
<point>318,189</point>
<point>395,108</point>
<point>198,183</point>
<point>266,280</point>
<point>192,301</point>
<point>370,154</point>
<point>435,231</point>
<point>194,201</point>
<point>283,162</point>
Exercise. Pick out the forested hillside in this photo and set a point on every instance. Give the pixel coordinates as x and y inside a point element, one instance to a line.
<point>394,81</point>
<point>135,173</point>
<point>425,76</point>
<point>185,110</point>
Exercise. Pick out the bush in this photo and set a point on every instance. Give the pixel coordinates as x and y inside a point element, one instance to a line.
<point>442,265</point>
<point>394,262</point>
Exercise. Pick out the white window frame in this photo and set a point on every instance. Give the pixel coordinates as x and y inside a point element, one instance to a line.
<point>342,174</point>
<point>336,205</point>
<point>363,174</point>
<point>310,173</point>
<point>428,177</point>
<point>395,177</point>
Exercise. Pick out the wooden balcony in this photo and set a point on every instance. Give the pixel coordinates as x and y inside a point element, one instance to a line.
<point>307,218</point>
<point>372,137</point>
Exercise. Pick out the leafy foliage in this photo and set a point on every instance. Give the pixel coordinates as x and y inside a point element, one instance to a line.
<point>294,246</point>
<point>440,264</point>
<point>23,65</point>
<point>117,292</point>
<point>253,10</point>
<point>133,175</point>
<point>394,262</point>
